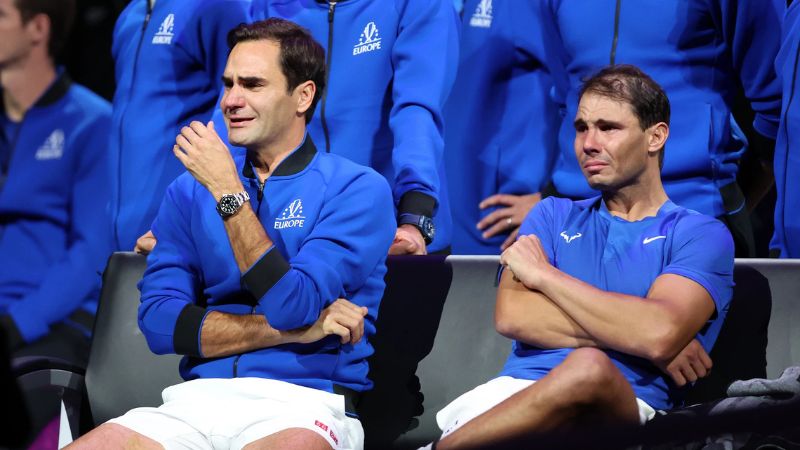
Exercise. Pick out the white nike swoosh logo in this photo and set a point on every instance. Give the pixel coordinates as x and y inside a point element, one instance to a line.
<point>651,239</point>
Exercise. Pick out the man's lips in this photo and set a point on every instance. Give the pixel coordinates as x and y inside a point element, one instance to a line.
<point>594,165</point>
<point>238,122</point>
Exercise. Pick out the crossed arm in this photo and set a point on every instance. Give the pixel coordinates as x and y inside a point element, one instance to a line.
<point>206,157</point>
<point>542,306</point>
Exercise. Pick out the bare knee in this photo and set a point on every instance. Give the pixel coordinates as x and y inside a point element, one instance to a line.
<point>590,375</point>
<point>291,439</point>
<point>112,435</point>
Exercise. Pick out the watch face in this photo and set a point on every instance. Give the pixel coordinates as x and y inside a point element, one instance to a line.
<point>427,228</point>
<point>228,205</point>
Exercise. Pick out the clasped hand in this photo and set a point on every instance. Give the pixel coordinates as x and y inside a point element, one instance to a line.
<point>527,261</point>
<point>200,149</point>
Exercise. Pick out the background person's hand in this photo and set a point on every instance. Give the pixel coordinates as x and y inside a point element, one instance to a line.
<point>145,244</point>
<point>510,213</point>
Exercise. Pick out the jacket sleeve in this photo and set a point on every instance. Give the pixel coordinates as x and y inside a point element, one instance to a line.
<point>530,121</point>
<point>75,279</point>
<point>168,315</point>
<point>214,20</point>
<point>425,58</point>
<point>350,238</point>
<point>751,31</point>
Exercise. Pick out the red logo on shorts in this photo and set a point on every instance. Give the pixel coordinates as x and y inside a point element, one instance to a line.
<point>321,425</point>
<point>333,436</point>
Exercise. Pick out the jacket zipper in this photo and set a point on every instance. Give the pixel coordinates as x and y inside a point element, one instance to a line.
<point>122,120</point>
<point>613,57</point>
<point>331,11</point>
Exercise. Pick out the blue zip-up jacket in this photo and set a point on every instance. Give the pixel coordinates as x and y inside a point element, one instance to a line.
<point>332,224</point>
<point>499,137</point>
<point>391,64</point>
<point>169,64</point>
<point>786,239</point>
<point>53,210</point>
<point>698,51</point>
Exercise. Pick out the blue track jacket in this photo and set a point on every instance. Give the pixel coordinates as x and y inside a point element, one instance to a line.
<point>332,225</point>
<point>53,210</point>
<point>500,123</point>
<point>698,51</point>
<point>786,239</point>
<point>169,64</point>
<point>391,65</point>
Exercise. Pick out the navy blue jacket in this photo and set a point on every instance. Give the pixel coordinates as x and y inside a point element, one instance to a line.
<point>53,210</point>
<point>500,122</point>
<point>391,65</point>
<point>331,222</point>
<point>169,65</point>
<point>786,239</point>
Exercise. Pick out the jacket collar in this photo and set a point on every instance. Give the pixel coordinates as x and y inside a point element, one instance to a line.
<point>57,90</point>
<point>293,164</point>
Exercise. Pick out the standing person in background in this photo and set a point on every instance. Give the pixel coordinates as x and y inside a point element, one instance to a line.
<point>53,187</point>
<point>169,57</point>
<point>786,240</point>
<point>499,140</point>
<point>391,64</point>
<point>702,53</point>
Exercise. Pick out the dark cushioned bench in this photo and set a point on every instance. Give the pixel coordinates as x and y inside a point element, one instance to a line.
<point>436,320</point>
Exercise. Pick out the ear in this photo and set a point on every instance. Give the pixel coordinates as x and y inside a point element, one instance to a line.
<point>657,137</point>
<point>38,28</point>
<point>305,95</point>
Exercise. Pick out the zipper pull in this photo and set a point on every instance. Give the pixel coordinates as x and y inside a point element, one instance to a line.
<point>260,190</point>
<point>331,7</point>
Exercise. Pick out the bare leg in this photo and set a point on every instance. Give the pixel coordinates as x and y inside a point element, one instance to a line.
<point>587,383</point>
<point>290,439</point>
<point>112,435</point>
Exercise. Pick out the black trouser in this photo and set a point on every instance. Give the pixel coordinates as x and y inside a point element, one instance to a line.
<point>68,341</point>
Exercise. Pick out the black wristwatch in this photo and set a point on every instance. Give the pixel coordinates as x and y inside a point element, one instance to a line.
<point>230,204</point>
<point>423,223</point>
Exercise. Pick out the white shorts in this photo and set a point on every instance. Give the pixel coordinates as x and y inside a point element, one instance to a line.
<point>486,396</point>
<point>217,413</point>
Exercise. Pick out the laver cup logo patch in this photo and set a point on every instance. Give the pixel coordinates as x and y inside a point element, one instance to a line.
<point>482,18</point>
<point>52,148</point>
<point>164,34</point>
<point>291,217</point>
<point>370,40</point>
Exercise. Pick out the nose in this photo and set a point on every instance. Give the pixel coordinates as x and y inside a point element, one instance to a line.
<point>232,99</point>
<point>588,141</point>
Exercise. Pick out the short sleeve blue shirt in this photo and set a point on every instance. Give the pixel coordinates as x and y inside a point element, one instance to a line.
<point>585,241</point>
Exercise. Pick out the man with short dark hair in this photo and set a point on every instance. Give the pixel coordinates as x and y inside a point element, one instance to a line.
<point>252,254</point>
<point>53,187</point>
<point>605,297</point>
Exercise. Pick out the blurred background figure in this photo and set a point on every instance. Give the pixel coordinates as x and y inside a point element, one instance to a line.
<point>786,240</point>
<point>169,58</point>
<point>500,144</point>
<point>391,64</point>
<point>704,54</point>
<point>53,188</point>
